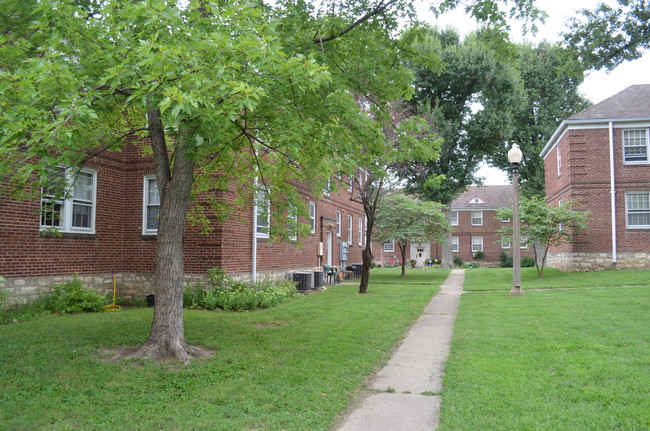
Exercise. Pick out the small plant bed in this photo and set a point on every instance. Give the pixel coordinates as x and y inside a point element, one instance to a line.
<point>425,276</point>
<point>482,279</point>
<point>292,367</point>
<point>552,360</point>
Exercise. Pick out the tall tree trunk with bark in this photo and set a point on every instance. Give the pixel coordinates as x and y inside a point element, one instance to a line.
<point>402,249</point>
<point>167,336</point>
<point>447,260</point>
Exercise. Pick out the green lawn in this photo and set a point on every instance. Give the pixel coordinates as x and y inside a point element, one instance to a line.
<point>553,360</point>
<point>501,279</point>
<point>425,276</point>
<point>294,367</point>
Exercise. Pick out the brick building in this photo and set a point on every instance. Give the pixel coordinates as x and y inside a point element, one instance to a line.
<point>600,157</point>
<point>475,228</point>
<point>109,224</point>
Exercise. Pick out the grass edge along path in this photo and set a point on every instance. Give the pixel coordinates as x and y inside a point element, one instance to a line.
<point>293,367</point>
<point>552,360</point>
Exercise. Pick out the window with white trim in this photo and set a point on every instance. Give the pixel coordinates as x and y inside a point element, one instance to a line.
<point>293,223</point>
<point>350,229</point>
<point>477,218</point>
<point>328,187</point>
<point>312,216</point>
<point>560,226</point>
<point>505,244</point>
<point>454,218</point>
<point>522,242</point>
<point>454,244</point>
<point>559,160</point>
<point>637,210</point>
<point>263,213</point>
<point>635,146</point>
<point>338,224</point>
<point>150,206</point>
<point>360,231</point>
<point>68,202</point>
<point>477,244</point>
<point>389,247</point>
<point>505,220</point>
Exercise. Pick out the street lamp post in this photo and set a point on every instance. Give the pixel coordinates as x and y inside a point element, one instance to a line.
<point>514,157</point>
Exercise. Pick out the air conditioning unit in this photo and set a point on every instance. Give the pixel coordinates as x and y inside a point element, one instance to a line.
<point>305,280</point>
<point>319,277</point>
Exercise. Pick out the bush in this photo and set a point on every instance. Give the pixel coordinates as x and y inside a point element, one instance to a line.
<point>505,261</point>
<point>527,262</point>
<point>226,293</point>
<point>479,255</point>
<point>71,297</point>
<point>458,261</point>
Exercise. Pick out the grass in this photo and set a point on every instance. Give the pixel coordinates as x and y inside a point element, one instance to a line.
<point>293,367</point>
<point>423,276</point>
<point>501,279</point>
<point>552,360</point>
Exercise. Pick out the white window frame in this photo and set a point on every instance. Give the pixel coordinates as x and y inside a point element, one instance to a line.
<point>455,244</point>
<point>505,220</point>
<point>263,212</point>
<point>522,243</point>
<point>629,212</point>
<point>477,241</point>
<point>350,229</point>
<point>328,187</point>
<point>360,231</point>
<point>480,216</point>
<point>645,135</point>
<point>389,247</point>
<point>454,218</point>
<point>558,154</point>
<point>505,244</point>
<point>339,221</point>
<point>67,203</point>
<point>146,204</point>
<point>312,216</point>
<point>293,217</point>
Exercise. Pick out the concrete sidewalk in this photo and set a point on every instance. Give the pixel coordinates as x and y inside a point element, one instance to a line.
<point>414,374</point>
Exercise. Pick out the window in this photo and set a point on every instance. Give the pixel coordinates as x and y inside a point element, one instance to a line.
<point>559,160</point>
<point>338,224</point>
<point>350,229</point>
<point>293,223</point>
<point>68,201</point>
<point>635,146</point>
<point>328,187</point>
<point>312,216</point>
<point>477,218</point>
<point>389,247</point>
<point>150,206</point>
<point>505,220</point>
<point>560,226</point>
<point>637,208</point>
<point>454,244</point>
<point>505,244</point>
<point>263,213</point>
<point>454,218</point>
<point>477,244</point>
<point>360,231</point>
<point>522,242</point>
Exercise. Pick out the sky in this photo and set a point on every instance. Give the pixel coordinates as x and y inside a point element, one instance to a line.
<point>597,86</point>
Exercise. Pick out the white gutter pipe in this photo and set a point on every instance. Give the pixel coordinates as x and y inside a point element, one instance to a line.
<point>612,189</point>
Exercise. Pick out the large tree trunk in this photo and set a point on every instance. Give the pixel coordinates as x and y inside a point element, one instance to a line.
<point>167,337</point>
<point>447,260</point>
<point>366,256</point>
<point>402,249</point>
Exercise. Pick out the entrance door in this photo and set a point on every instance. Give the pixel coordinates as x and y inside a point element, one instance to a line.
<point>421,253</point>
<point>329,248</point>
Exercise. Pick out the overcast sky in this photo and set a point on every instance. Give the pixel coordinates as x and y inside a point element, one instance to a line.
<point>597,86</point>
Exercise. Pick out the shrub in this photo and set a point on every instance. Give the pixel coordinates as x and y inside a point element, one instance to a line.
<point>458,261</point>
<point>527,262</point>
<point>71,297</point>
<point>413,262</point>
<point>505,261</point>
<point>479,255</point>
<point>226,293</point>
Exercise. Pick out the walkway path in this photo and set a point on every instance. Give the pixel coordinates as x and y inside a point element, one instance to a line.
<point>408,389</point>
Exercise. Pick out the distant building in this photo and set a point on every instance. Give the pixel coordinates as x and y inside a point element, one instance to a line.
<point>600,157</point>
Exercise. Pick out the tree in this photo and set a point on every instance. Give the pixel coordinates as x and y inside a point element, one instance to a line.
<point>222,93</point>
<point>550,76</point>
<point>543,226</point>
<point>608,36</point>
<point>407,220</point>
<point>472,100</point>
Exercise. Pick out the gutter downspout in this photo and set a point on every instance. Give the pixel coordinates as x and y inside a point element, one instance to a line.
<point>612,190</point>
<point>254,244</point>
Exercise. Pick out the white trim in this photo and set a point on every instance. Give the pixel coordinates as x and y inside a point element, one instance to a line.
<point>627,195</point>
<point>451,218</point>
<point>558,154</point>
<point>262,202</point>
<point>455,244</point>
<point>360,231</point>
<point>146,205</point>
<point>350,219</point>
<point>472,217</point>
<point>312,216</point>
<point>68,201</point>
<point>339,222</point>
<point>390,249</point>
<point>293,217</point>
<point>477,240</point>
<point>647,146</point>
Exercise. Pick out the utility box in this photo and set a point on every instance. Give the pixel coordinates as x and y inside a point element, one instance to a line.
<point>343,250</point>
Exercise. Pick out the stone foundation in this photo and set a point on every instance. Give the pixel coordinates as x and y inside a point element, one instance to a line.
<point>128,285</point>
<point>578,262</point>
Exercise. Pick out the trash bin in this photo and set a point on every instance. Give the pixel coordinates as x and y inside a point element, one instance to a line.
<point>151,300</point>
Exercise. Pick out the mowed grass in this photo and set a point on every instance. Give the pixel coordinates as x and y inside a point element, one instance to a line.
<point>501,279</point>
<point>293,367</point>
<point>424,276</point>
<point>574,359</point>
